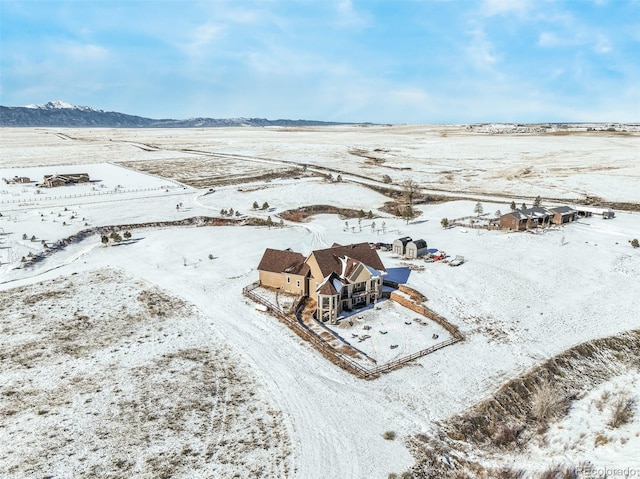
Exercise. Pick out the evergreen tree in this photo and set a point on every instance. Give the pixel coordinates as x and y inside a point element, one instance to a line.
<point>444,222</point>
<point>513,206</point>
<point>265,205</point>
<point>478,208</point>
<point>537,201</point>
<point>255,205</point>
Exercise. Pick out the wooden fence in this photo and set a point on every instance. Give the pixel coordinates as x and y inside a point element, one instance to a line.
<point>474,222</point>
<point>329,352</point>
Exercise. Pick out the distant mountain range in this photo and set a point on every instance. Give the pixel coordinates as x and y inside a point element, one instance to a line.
<point>63,114</point>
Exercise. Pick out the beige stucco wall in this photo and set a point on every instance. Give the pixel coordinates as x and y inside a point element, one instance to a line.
<point>272,280</point>
<point>294,284</point>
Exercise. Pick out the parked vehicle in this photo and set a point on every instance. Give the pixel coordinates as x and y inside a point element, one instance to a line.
<point>457,261</point>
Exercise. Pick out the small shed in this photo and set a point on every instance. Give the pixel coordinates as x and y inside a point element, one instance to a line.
<point>416,248</point>
<point>400,245</point>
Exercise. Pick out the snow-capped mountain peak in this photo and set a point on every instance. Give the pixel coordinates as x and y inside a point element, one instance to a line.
<point>58,105</point>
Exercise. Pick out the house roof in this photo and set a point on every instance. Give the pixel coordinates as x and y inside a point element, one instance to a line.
<point>329,259</point>
<point>328,286</point>
<point>404,240</point>
<point>419,244</point>
<point>563,210</point>
<point>283,261</point>
<point>535,212</point>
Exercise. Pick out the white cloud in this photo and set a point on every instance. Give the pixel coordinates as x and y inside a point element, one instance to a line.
<point>201,39</point>
<point>547,39</point>
<point>81,52</point>
<point>348,16</point>
<point>497,7</point>
<point>481,50</point>
<point>603,45</point>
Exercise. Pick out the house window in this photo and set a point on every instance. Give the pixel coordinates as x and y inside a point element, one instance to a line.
<point>325,302</point>
<point>288,279</point>
<point>298,283</point>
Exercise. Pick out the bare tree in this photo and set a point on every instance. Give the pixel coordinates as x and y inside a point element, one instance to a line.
<point>410,190</point>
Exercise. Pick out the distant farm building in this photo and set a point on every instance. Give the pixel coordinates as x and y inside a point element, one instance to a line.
<point>51,181</point>
<point>337,279</point>
<point>540,217</point>
<point>400,245</point>
<point>416,248</point>
<point>17,179</point>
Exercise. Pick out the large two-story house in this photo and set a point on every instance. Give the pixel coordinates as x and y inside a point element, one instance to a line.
<point>337,279</point>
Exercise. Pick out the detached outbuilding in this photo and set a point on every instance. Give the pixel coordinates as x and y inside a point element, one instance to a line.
<point>586,211</point>
<point>400,245</point>
<point>416,248</point>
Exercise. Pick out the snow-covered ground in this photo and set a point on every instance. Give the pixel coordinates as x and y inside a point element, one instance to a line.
<point>453,158</point>
<point>519,298</point>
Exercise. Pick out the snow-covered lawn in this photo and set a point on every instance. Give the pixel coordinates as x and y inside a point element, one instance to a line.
<point>588,432</point>
<point>388,331</point>
<point>103,375</point>
<point>519,298</point>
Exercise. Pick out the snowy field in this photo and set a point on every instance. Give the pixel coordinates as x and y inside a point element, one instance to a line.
<point>519,298</point>
<point>568,165</point>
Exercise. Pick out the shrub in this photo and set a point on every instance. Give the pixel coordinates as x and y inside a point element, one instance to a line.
<point>622,411</point>
<point>546,403</point>
<point>635,243</point>
<point>559,472</point>
<point>389,435</point>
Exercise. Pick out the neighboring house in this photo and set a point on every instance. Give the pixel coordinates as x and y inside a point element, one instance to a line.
<point>400,245</point>
<point>521,220</point>
<point>416,248</point>
<point>51,181</point>
<point>563,214</point>
<point>337,278</point>
<point>21,179</point>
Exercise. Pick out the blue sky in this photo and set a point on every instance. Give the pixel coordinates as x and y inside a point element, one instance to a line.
<point>383,61</point>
